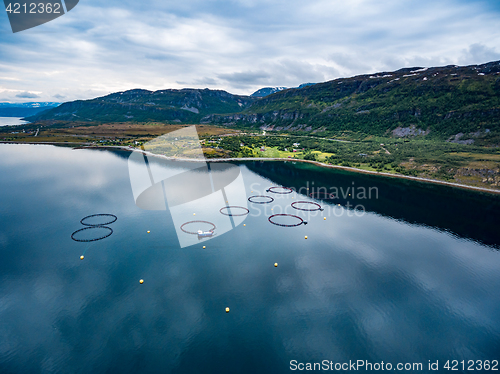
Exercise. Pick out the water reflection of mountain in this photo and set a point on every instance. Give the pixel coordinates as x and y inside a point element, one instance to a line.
<point>468,214</point>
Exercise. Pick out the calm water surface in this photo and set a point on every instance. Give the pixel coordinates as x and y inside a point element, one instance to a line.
<point>11,121</point>
<point>415,278</point>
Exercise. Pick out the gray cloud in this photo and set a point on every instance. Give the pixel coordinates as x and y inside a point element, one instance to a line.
<point>27,95</point>
<point>58,96</point>
<point>348,61</point>
<point>205,81</point>
<point>238,45</point>
<point>479,52</point>
<point>245,78</point>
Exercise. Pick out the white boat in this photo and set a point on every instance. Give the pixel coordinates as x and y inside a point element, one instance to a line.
<point>205,234</point>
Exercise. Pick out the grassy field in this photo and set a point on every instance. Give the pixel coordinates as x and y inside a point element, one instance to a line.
<point>101,134</point>
<point>477,156</point>
<point>274,152</point>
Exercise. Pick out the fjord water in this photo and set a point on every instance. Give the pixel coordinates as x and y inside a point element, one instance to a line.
<point>414,278</point>
<point>12,121</point>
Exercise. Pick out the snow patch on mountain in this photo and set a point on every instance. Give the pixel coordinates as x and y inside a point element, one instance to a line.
<point>267,91</point>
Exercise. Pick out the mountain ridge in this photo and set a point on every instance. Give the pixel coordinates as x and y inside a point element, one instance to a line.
<point>413,101</point>
<point>266,91</point>
<point>441,101</point>
<point>187,105</point>
<point>24,109</point>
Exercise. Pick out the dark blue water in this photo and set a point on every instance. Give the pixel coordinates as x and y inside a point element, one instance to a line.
<point>416,277</point>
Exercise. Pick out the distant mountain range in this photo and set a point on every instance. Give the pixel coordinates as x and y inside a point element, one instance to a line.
<point>175,106</point>
<point>437,101</point>
<point>24,109</point>
<point>266,91</point>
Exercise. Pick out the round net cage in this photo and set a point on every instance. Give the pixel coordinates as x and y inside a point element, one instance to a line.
<point>255,199</point>
<point>110,219</point>
<point>275,220</point>
<point>77,233</point>
<point>199,226</point>
<point>227,210</point>
<point>310,206</point>
<point>280,190</point>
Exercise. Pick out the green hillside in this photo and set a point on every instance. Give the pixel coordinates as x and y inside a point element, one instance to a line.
<point>434,102</point>
<point>176,106</point>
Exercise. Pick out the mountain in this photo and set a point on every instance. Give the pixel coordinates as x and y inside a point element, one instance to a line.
<point>306,85</point>
<point>24,109</point>
<point>441,101</point>
<point>451,102</point>
<point>185,106</point>
<point>29,105</point>
<point>266,91</point>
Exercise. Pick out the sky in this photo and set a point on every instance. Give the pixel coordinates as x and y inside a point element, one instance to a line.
<point>101,47</point>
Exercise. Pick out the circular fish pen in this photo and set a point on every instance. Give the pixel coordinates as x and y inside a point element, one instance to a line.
<point>113,219</point>
<point>91,228</point>
<point>245,211</point>
<point>251,199</point>
<point>197,231</point>
<point>283,191</point>
<point>316,205</point>
<point>273,221</point>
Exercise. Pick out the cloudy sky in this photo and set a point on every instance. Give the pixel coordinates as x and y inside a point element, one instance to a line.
<point>101,47</point>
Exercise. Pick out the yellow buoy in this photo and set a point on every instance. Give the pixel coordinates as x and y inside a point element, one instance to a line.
<point>244,224</point>
<point>141,281</point>
<point>227,310</point>
<point>204,247</point>
<point>149,231</point>
<point>194,214</point>
<point>324,218</point>
<point>81,257</point>
<point>275,264</point>
<point>306,237</point>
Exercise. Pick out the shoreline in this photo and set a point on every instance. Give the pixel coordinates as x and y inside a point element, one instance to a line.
<point>350,169</point>
<point>317,163</point>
